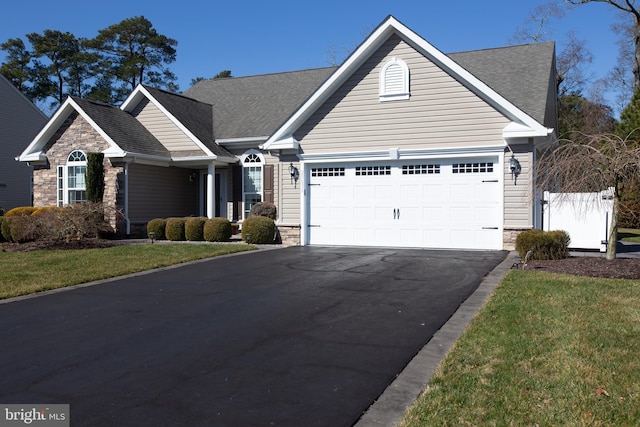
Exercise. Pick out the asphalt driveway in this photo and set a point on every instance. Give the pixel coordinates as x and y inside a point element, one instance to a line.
<point>289,337</point>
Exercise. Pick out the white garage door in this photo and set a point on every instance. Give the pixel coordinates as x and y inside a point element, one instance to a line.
<point>434,204</point>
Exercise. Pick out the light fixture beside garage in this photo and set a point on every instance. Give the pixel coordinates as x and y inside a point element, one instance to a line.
<point>515,167</point>
<point>293,171</point>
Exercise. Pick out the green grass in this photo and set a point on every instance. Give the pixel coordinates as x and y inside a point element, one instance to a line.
<point>547,350</point>
<point>629,235</point>
<point>23,273</point>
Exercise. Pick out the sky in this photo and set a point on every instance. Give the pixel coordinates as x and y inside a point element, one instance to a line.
<point>259,37</point>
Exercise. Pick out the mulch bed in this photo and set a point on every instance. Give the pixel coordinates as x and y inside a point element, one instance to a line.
<point>591,266</point>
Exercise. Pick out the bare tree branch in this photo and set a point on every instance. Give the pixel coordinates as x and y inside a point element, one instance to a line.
<point>591,163</point>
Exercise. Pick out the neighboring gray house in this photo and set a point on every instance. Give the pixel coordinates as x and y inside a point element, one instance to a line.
<point>20,121</point>
<point>401,145</point>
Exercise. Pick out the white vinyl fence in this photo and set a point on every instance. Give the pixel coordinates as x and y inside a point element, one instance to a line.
<point>585,216</point>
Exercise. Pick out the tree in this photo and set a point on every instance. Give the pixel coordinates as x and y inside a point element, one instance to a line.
<point>95,177</point>
<point>578,114</point>
<point>631,32</point>
<point>589,163</point>
<point>225,74</point>
<point>17,69</point>
<point>629,125</point>
<point>137,54</point>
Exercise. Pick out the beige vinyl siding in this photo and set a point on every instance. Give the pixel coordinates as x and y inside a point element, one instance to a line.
<point>160,192</point>
<point>170,135</point>
<point>440,113</point>
<point>518,196</point>
<point>289,202</point>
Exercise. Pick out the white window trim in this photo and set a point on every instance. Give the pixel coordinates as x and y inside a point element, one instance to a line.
<point>62,178</point>
<point>246,164</point>
<point>397,94</point>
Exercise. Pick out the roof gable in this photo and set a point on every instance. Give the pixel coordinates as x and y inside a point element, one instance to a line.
<point>523,124</point>
<point>192,117</point>
<point>124,134</point>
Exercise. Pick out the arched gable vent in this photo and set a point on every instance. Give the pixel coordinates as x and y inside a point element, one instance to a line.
<point>394,80</point>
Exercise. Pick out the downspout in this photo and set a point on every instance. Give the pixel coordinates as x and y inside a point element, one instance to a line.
<point>126,199</point>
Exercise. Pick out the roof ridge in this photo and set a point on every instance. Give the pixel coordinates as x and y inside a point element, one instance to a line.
<point>501,47</point>
<point>273,73</point>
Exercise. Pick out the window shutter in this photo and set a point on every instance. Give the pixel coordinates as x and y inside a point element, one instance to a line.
<point>268,183</point>
<point>237,192</point>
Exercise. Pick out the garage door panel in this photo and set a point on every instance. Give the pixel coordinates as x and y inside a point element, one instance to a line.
<point>433,207</point>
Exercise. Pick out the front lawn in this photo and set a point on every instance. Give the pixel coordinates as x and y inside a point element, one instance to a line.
<point>23,273</point>
<point>547,350</point>
<point>629,235</point>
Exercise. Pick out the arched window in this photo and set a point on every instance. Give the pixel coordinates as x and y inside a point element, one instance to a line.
<point>71,179</point>
<point>252,185</point>
<point>394,80</point>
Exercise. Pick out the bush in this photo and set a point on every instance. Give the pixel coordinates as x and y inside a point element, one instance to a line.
<point>194,228</point>
<point>266,209</point>
<point>5,233</point>
<point>16,226</point>
<point>545,245</point>
<point>174,229</point>
<point>157,226</point>
<point>217,230</point>
<point>260,228</point>
<point>20,211</point>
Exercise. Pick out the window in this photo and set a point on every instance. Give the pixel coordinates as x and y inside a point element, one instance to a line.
<point>394,80</point>
<point>71,179</point>
<point>252,185</point>
<point>373,170</point>
<point>327,172</point>
<point>472,167</point>
<point>420,169</point>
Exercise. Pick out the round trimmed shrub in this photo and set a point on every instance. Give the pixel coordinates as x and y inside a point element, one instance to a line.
<point>157,226</point>
<point>20,211</point>
<point>217,230</point>
<point>174,229</point>
<point>194,228</point>
<point>260,228</point>
<point>544,245</point>
<point>2,220</point>
<point>264,209</point>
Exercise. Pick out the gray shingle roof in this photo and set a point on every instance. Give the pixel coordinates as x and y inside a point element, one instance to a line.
<point>256,106</point>
<point>521,74</point>
<point>193,114</point>
<point>123,128</point>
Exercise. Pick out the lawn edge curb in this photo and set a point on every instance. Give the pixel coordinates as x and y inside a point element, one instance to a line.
<point>390,407</point>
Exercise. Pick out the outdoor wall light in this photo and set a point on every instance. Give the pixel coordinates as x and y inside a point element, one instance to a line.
<point>192,176</point>
<point>293,171</point>
<point>515,167</point>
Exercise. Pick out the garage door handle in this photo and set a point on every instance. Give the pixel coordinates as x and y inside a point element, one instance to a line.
<point>394,214</point>
<point>490,228</point>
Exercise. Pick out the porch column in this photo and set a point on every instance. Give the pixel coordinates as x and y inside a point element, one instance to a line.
<point>211,190</point>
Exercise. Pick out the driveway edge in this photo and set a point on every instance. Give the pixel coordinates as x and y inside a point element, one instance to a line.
<point>390,407</point>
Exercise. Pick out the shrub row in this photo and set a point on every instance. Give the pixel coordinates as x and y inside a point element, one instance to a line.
<point>255,229</point>
<point>193,229</point>
<point>544,245</point>
<point>26,223</point>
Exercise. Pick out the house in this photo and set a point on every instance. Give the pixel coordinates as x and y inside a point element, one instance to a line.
<point>20,121</point>
<point>401,145</point>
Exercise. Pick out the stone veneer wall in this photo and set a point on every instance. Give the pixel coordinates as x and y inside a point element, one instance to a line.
<point>290,235</point>
<point>77,134</point>
<point>509,237</point>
